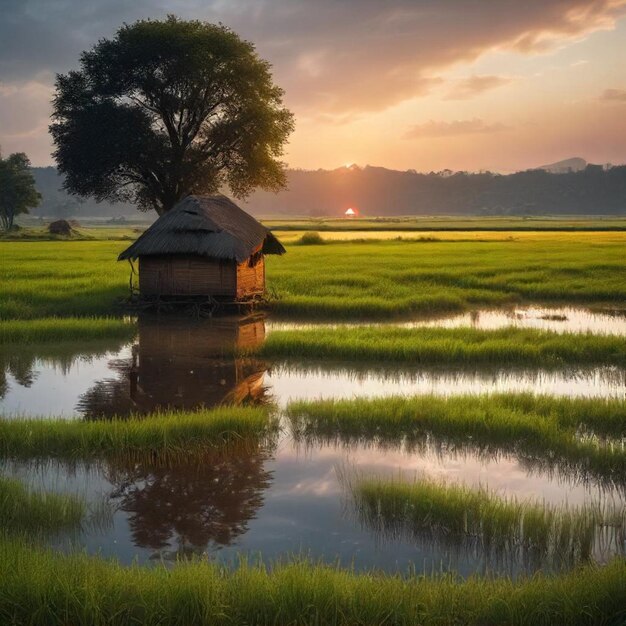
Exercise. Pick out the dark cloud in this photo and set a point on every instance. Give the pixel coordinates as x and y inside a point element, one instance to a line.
<point>467,88</point>
<point>613,95</point>
<point>452,129</point>
<point>333,54</point>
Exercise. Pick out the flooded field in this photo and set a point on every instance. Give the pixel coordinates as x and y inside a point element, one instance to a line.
<point>281,496</point>
<point>563,319</point>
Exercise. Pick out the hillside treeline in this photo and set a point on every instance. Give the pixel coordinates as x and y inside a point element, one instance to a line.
<point>379,191</point>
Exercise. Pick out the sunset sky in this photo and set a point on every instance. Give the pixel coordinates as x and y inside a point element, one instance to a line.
<point>421,84</point>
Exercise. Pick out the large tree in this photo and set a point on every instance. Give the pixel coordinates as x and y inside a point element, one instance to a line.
<point>169,108</point>
<point>17,188</point>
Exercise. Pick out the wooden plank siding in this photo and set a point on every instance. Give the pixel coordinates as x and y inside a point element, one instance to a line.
<point>250,280</point>
<point>186,276</point>
<point>181,275</point>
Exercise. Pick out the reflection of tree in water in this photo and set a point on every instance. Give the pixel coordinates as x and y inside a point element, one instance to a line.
<point>182,363</point>
<point>195,507</point>
<point>21,361</point>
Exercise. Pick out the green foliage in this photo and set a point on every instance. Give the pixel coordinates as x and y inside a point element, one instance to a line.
<point>465,518</point>
<point>43,588</point>
<point>161,436</point>
<point>24,511</point>
<point>446,346</point>
<point>390,279</point>
<point>311,239</point>
<point>372,281</point>
<point>53,329</point>
<point>579,438</point>
<point>17,188</point>
<point>69,278</point>
<point>168,108</point>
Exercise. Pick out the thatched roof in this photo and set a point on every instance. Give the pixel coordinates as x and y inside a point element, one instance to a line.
<point>212,226</point>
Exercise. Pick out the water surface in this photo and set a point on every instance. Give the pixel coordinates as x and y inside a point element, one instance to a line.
<point>273,499</point>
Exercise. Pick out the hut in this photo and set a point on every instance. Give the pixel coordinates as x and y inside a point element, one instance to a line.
<point>204,246</point>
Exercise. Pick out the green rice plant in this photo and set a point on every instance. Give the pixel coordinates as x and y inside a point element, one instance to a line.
<point>466,518</point>
<point>34,512</point>
<point>44,588</point>
<point>543,434</point>
<point>446,346</point>
<point>512,415</point>
<point>160,437</point>
<point>375,281</point>
<point>54,329</point>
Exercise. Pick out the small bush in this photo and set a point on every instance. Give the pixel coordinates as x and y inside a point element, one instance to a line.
<point>311,239</point>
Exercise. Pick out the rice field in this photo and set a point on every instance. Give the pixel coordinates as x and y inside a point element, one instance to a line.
<point>65,329</point>
<point>45,588</point>
<point>159,438</point>
<point>445,346</point>
<point>549,434</point>
<point>370,280</point>
<point>194,489</point>
<point>26,511</point>
<point>467,518</point>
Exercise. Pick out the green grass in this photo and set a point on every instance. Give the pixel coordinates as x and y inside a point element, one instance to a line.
<point>69,329</point>
<point>449,223</point>
<point>543,433</point>
<point>161,437</point>
<point>386,279</point>
<point>456,515</point>
<point>446,346</point>
<point>79,233</point>
<point>349,281</point>
<point>44,588</point>
<point>34,512</point>
<point>511,415</point>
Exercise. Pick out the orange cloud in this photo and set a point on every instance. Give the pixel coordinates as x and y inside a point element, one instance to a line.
<point>453,129</point>
<point>475,85</point>
<point>613,95</point>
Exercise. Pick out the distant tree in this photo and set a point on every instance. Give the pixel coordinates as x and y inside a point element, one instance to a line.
<point>17,188</point>
<point>169,108</point>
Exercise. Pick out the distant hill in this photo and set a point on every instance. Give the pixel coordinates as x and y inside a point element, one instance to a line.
<point>377,191</point>
<point>575,164</point>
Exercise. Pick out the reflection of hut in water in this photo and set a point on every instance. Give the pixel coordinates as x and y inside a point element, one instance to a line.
<point>204,246</point>
<point>183,363</point>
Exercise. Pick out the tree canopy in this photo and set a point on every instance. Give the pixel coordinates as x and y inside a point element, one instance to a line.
<point>17,188</point>
<point>169,108</point>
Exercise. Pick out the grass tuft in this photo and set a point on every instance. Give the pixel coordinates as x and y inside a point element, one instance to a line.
<point>446,346</point>
<point>465,518</point>
<point>53,329</point>
<point>160,437</point>
<point>542,432</point>
<point>33,512</point>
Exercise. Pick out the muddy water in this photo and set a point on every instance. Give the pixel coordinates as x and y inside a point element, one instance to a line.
<point>275,499</point>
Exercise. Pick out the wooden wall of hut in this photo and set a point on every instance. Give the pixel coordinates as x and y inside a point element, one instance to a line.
<point>250,277</point>
<point>179,275</point>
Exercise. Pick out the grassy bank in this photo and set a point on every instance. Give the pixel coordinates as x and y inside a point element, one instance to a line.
<point>161,437</point>
<point>34,512</point>
<point>542,434</point>
<point>446,346</point>
<point>511,416</point>
<point>465,518</point>
<point>70,329</point>
<point>45,588</point>
<point>359,281</point>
